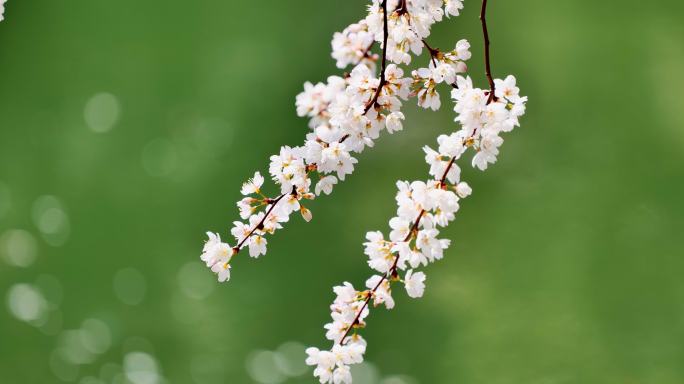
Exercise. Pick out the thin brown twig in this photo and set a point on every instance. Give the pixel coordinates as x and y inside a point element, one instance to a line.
<point>385,34</point>
<point>260,224</point>
<point>238,247</point>
<point>433,52</point>
<point>488,70</point>
<point>402,8</point>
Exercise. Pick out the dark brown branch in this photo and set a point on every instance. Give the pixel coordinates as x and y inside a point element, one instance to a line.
<point>488,70</point>
<point>260,224</point>
<point>446,171</point>
<point>434,52</point>
<point>383,81</point>
<point>402,8</point>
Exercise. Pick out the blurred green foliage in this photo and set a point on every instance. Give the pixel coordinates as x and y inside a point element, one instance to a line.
<point>566,264</point>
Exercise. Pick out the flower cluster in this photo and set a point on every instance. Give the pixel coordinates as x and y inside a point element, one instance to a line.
<point>352,46</point>
<point>486,119</point>
<point>408,25</point>
<point>346,114</point>
<point>443,68</point>
<point>422,209</point>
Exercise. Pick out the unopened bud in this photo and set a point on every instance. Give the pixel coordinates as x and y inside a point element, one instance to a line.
<point>306,214</point>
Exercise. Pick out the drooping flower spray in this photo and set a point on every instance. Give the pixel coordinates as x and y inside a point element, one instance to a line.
<point>423,207</point>
<point>346,114</point>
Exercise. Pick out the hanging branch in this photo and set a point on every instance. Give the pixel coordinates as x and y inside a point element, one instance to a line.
<point>488,69</point>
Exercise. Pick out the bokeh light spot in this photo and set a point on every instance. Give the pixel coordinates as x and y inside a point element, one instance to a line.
<point>262,367</point>
<point>101,112</point>
<point>18,247</point>
<point>290,358</point>
<point>141,368</point>
<point>96,336</point>
<point>51,219</point>
<point>26,303</point>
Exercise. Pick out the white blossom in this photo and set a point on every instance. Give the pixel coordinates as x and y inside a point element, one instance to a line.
<point>325,185</point>
<point>351,46</point>
<point>222,270</point>
<point>462,50</point>
<point>336,158</point>
<point>215,250</point>
<point>324,362</point>
<point>217,254</point>
<point>463,190</point>
<point>252,185</point>
<point>379,252</point>
<point>414,283</point>
<point>257,246</point>
<point>394,121</point>
<point>453,7</point>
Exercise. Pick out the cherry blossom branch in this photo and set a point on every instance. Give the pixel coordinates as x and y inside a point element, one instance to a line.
<point>260,224</point>
<point>393,269</point>
<point>383,80</point>
<point>488,70</point>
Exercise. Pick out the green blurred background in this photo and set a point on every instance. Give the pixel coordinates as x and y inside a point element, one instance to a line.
<point>127,128</point>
